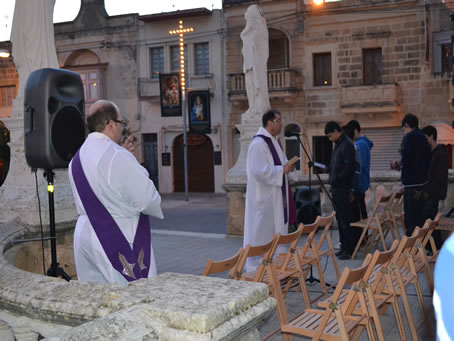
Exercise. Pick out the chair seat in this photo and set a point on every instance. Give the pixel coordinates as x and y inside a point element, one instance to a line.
<point>373,224</point>
<point>380,300</point>
<point>308,322</point>
<point>281,276</point>
<point>446,224</point>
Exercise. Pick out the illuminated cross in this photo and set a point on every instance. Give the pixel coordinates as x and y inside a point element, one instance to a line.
<point>181,31</point>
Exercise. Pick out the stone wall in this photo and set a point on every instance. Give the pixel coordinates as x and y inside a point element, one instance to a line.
<point>167,307</point>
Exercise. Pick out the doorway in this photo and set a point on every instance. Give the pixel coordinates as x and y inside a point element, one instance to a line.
<point>200,164</point>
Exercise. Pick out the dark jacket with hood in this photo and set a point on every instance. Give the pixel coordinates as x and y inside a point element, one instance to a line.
<point>415,159</point>
<point>342,165</point>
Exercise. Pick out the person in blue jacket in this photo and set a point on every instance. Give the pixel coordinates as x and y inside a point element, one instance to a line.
<point>364,145</point>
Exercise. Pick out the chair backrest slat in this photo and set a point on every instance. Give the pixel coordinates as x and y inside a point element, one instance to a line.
<point>213,267</point>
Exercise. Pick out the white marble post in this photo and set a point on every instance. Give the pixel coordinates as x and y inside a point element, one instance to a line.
<point>32,37</point>
<point>255,57</point>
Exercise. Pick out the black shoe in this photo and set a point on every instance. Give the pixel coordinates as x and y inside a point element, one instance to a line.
<point>338,253</point>
<point>344,255</point>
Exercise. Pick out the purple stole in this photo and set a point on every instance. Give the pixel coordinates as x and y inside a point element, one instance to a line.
<point>285,186</point>
<point>132,263</point>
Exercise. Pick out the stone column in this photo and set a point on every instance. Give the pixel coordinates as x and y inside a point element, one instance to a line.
<point>32,37</point>
<point>255,56</point>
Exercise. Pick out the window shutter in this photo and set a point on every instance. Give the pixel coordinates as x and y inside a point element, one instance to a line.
<point>387,144</point>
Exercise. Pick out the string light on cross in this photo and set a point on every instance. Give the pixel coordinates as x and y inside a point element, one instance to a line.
<point>181,31</point>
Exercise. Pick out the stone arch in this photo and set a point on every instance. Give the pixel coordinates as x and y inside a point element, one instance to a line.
<point>279,49</point>
<point>81,58</point>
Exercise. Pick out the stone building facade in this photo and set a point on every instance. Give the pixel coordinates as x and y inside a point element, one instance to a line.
<point>162,136</point>
<point>113,56</point>
<point>373,62</point>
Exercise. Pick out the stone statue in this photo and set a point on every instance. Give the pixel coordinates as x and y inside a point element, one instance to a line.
<point>255,55</point>
<point>32,36</point>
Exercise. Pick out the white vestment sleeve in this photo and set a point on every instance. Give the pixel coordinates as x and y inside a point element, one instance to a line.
<point>261,168</point>
<point>131,181</point>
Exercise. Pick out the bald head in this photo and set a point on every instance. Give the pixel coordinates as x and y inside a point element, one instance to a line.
<point>100,113</point>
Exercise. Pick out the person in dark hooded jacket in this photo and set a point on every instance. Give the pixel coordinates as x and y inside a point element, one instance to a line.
<point>341,173</point>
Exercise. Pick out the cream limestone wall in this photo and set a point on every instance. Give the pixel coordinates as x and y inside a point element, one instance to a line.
<point>207,28</point>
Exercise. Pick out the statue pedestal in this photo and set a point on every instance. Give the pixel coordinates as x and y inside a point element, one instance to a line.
<point>235,185</point>
<point>18,194</point>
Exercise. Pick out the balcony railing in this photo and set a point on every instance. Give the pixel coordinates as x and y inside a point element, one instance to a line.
<point>278,80</point>
<point>371,99</point>
<point>150,87</point>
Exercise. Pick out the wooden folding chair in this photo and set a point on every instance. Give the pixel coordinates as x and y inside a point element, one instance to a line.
<point>336,322</point>
<point>429,240</point>
<point>307,257</point>
<point>214,267</point>
<point>397,212</point>
<point>375,276</point>
<point>420,259</point>
<point>404,273</point>
<point>325,238</point>
<point>265,273</point>
<point>378,223</point>
<point>446,224</point>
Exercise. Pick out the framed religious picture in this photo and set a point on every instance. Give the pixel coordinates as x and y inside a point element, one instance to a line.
<point>169,85</point>
<point>199,112</point>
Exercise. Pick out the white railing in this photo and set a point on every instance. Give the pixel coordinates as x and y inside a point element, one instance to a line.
<point>277,80</point>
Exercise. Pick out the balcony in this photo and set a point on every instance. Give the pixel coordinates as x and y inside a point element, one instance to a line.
<point>281,83</point>
<point>149,88</point>
<point>371,99</point>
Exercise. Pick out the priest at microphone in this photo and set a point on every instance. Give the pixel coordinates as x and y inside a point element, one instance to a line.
<point>269,204</point>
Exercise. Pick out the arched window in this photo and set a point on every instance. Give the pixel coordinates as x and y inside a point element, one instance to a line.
<point>279,50</point>
<point>292,146</point>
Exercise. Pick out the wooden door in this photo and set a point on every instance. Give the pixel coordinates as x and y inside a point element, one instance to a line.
<point>200,164</point>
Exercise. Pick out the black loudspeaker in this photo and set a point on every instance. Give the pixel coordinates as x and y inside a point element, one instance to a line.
<point>54,121</point>
<point>307,204</point>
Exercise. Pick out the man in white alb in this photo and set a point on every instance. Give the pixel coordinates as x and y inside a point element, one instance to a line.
<point>268,195</point>
<point>114,196</point>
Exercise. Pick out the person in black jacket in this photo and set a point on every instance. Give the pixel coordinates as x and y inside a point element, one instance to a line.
<point>414,166</point>
<point>437,179</point>
<point>341,172</point>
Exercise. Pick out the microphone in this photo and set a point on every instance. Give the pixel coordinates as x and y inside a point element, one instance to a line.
<point>293,133</point>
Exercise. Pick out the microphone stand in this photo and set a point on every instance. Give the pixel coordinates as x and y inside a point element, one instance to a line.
<point>311,279</point>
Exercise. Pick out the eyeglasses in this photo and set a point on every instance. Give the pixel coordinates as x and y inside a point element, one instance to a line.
<point>278,120</point>
<point>123,123</point>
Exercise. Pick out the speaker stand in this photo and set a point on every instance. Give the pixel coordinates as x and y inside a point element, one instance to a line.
<point>54,270</point>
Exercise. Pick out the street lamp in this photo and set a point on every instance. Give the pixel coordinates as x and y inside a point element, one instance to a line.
<point>181,31</point>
